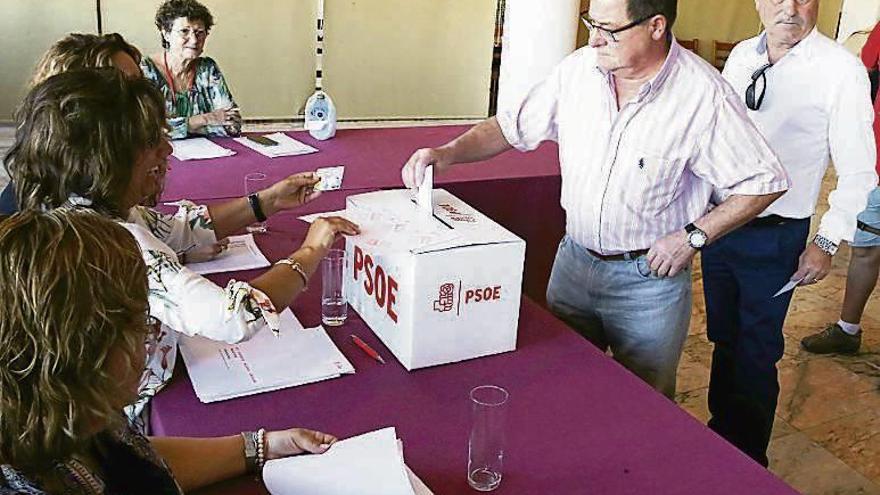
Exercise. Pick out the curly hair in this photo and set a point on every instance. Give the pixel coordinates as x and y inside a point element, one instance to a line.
<point>74,292</point>
<point>170,10</point>
<point>80,133</point>
<point>82,51</point>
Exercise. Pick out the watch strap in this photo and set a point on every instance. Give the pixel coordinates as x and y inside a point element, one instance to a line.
<point>256,207</point>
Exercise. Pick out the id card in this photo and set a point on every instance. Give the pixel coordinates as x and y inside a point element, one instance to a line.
<point>331,178</point>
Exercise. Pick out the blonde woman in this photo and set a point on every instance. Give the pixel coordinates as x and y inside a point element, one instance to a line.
<point>73,322</point>
<point>78,51</point>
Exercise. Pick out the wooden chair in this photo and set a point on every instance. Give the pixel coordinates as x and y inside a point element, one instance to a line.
<point>692,45</point>
<point>720,52</point>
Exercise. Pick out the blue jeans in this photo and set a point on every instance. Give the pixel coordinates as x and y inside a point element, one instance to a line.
<point>871,217</point>
<point>619,305</point>
<point>741,272</point>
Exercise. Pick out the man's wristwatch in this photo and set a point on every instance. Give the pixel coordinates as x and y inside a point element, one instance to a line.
<point>826,245</point>
<point>697,239</point>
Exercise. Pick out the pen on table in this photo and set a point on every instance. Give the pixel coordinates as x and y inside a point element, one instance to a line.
<point>367,349</point>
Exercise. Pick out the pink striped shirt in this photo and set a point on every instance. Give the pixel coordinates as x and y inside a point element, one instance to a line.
<point>633,175</point>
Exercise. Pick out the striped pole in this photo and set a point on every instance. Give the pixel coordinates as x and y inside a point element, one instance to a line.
<point>319,48</point>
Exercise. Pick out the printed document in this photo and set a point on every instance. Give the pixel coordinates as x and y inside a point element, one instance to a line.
<point>241,253</point>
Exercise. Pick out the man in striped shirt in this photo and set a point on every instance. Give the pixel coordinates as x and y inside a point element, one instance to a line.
<point>646,131</point>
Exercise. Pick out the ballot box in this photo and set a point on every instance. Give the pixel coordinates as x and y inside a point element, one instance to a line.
<point>437,285</point>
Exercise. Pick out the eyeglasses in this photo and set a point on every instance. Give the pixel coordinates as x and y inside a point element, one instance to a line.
<point>609,34</point>
<point>799,2</point>
<point>761,75</point>
<point>187,32</point>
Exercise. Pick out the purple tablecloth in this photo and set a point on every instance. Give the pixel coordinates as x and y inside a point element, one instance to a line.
<point>578,422</point>
<point>518,190</point>
<point>372,159</point>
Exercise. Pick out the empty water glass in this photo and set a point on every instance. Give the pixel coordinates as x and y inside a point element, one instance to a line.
<point>486,442</point>
<point>253,183</point>
<point>334,306</point>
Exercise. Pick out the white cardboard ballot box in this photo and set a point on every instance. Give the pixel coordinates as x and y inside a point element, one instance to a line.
<point>436,287</point>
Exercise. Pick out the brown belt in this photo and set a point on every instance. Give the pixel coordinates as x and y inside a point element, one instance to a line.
<point>868,228</point>
<point>629,256</point>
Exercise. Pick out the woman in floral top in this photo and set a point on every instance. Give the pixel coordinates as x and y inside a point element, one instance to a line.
<point>72,332</point>
<point>197,98</point>
<point>95,138</point>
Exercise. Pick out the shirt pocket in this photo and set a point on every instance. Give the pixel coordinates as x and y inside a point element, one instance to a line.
<point>655,181</point>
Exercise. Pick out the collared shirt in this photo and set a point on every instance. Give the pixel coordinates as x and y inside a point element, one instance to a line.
<point>816,108</point>
<point>633,175</point>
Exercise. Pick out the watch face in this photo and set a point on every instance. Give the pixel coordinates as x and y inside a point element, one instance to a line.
<point>697,239</point>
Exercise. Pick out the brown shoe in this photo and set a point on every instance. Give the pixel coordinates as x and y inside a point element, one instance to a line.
<point>832,340</point>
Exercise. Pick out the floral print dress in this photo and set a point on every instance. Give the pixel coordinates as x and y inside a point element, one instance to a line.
<point>209,92</point>
<point>184,301</point>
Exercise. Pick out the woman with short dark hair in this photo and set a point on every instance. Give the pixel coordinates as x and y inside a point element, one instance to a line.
<point>197,98</point>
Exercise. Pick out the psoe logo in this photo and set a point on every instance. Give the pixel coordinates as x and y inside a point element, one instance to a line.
<point>446,301</point>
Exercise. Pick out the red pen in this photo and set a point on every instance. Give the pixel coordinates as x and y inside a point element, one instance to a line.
<point>367,349</point>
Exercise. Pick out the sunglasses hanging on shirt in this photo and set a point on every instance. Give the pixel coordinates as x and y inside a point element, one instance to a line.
<point>758,75</point>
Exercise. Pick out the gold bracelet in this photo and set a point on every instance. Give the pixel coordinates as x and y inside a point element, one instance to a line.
<point>297,267</point>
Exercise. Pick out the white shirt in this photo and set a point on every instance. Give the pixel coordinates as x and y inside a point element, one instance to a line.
<point>816,108</point>
<point>634,175</point>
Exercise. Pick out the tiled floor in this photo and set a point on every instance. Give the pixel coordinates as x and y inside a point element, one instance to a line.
<point>827,434</point>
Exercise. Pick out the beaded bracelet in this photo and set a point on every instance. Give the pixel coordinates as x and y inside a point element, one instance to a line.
<point>261,448</point>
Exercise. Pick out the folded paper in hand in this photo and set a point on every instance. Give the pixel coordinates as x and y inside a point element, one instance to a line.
<point>369,464</point>
<point>221,371</point>
<point>287,146</point>
<point>198,149</point>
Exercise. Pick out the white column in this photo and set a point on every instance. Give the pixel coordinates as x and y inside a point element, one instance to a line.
<point>538,34</point>
<point>857,15</point>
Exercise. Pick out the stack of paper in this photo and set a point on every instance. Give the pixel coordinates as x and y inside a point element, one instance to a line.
<point>287,146</point>
<point>198,149</point>
<point>369,464</point>
<point>241,253</point>
<point>297,356</point>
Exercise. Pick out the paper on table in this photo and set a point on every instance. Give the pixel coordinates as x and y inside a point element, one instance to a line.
<point>314,216</point>
<point>369,464</point>
<point>241,253</point>
<point>220,371</point>
<point>287,146</point>
<point>789,286</point>
<point>198,149</point>
<point>425,193</point>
